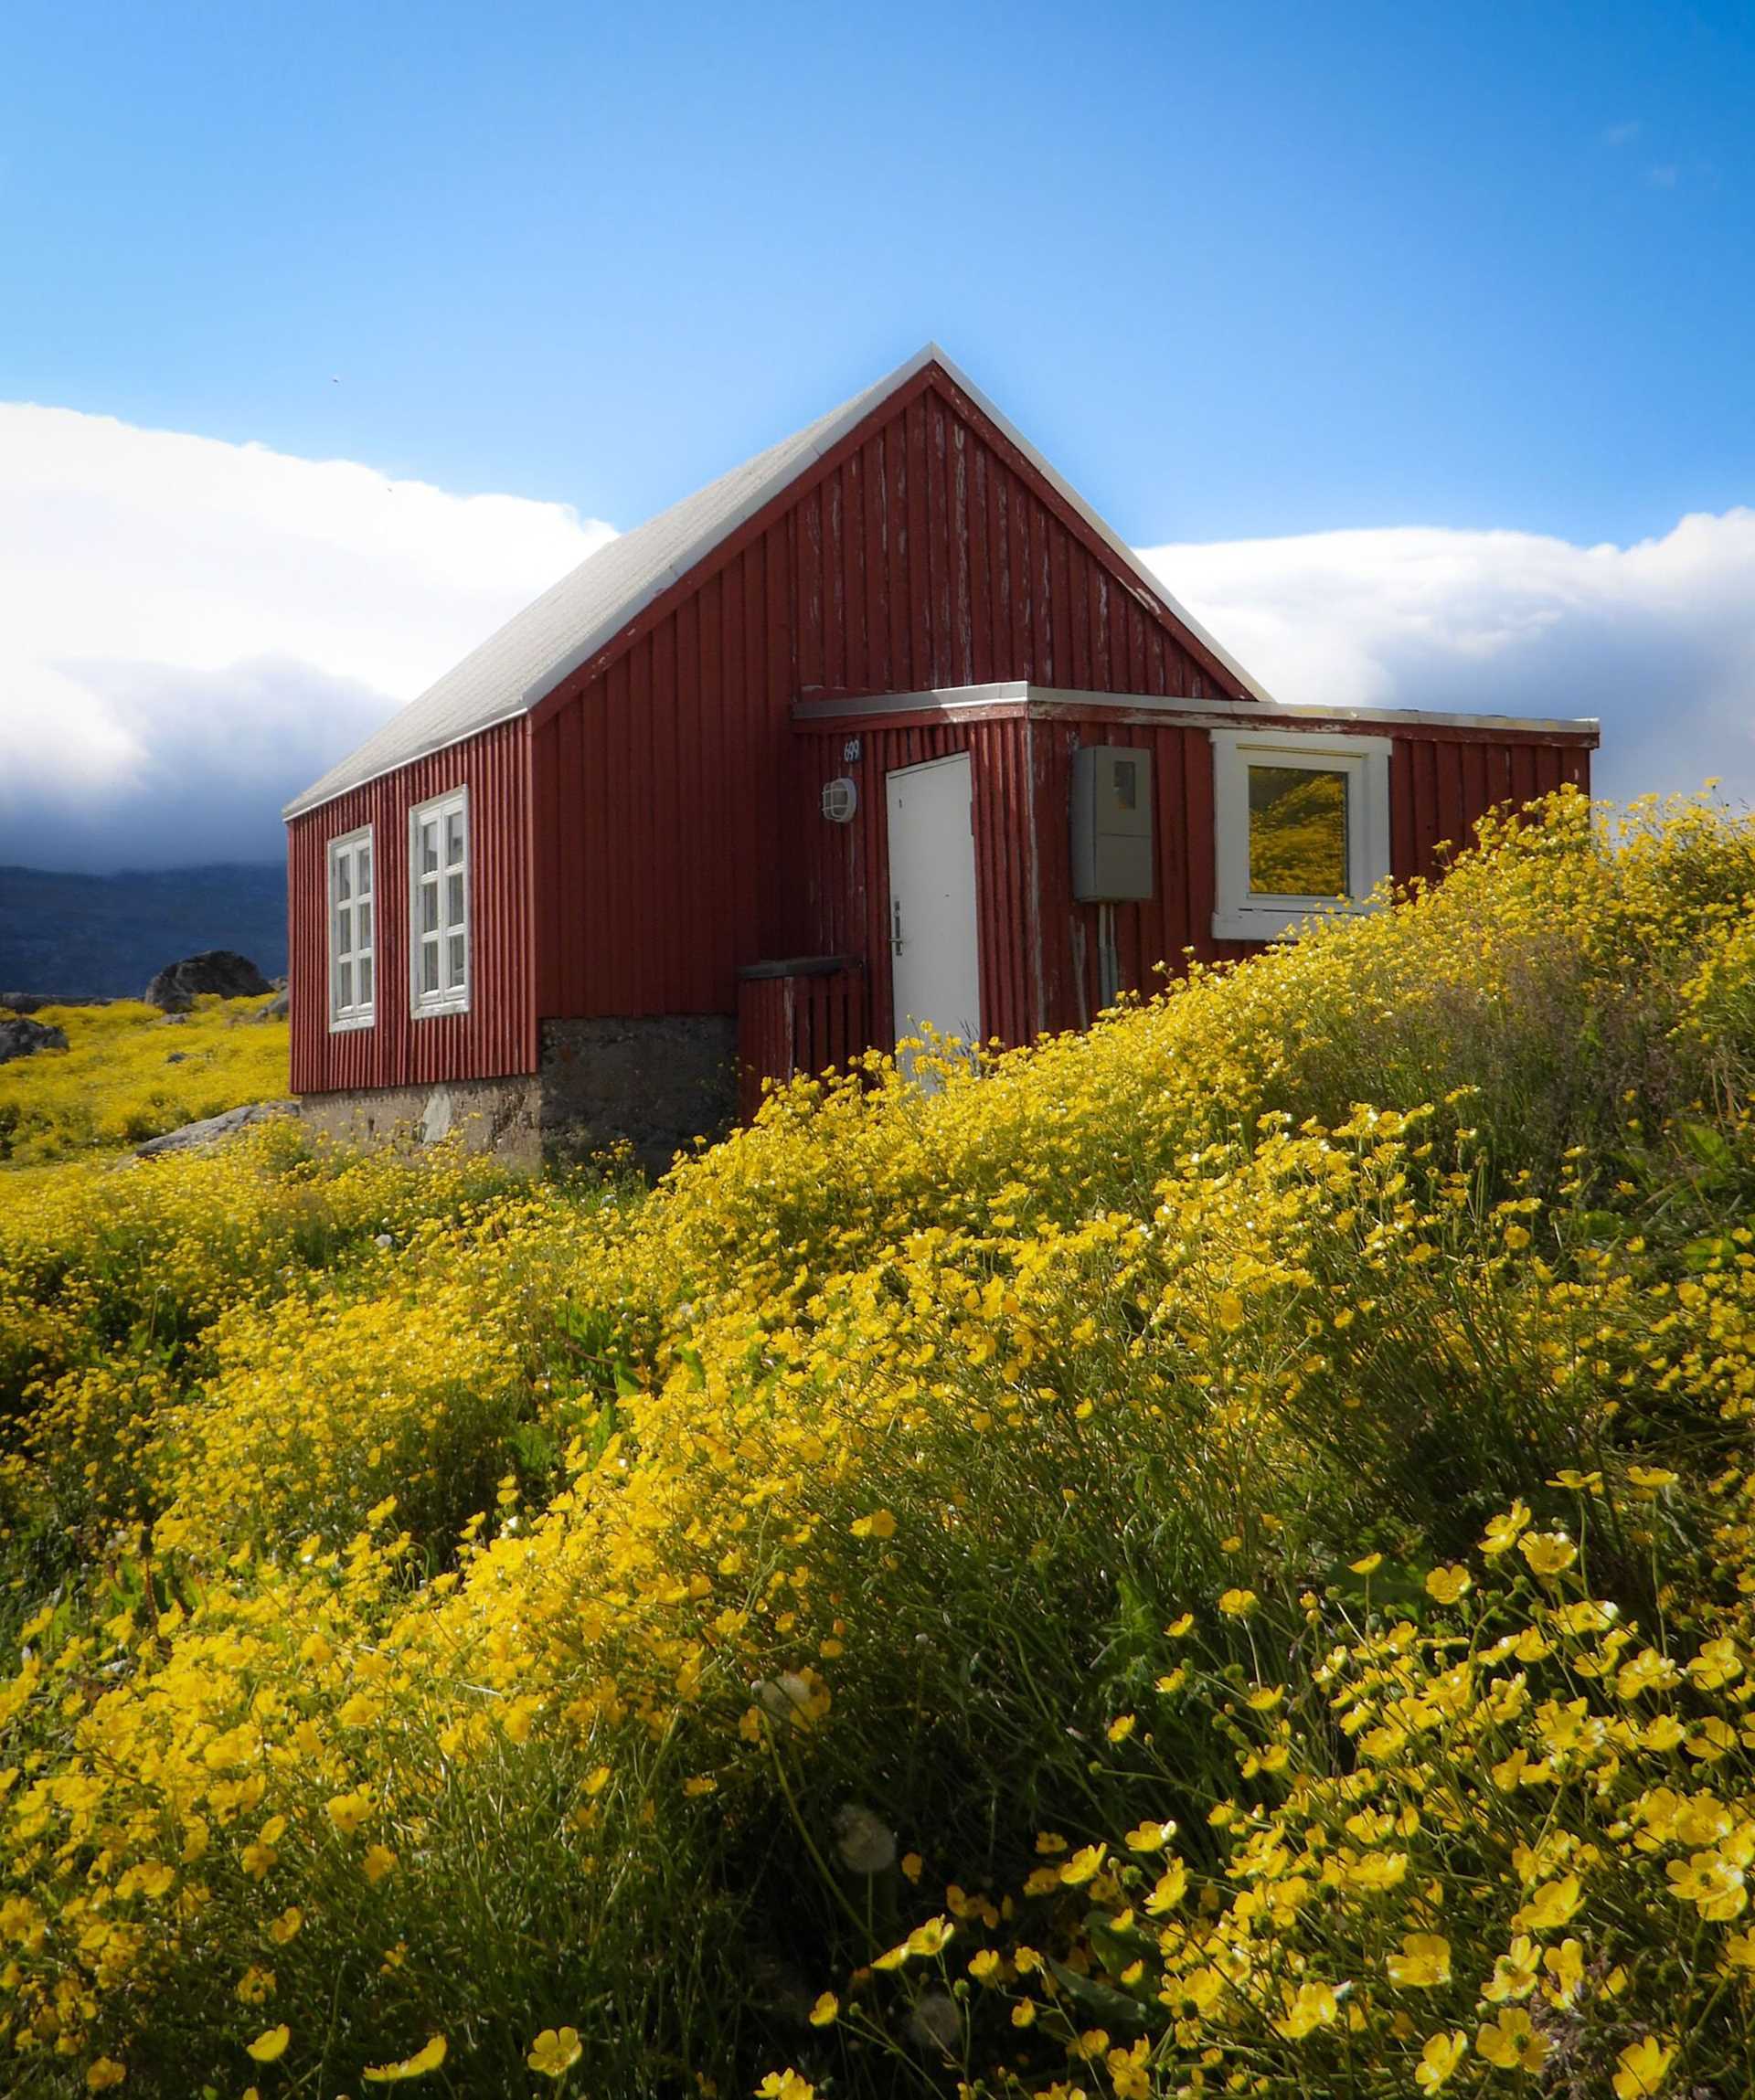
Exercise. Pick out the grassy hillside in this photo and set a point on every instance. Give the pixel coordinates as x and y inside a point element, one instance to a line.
<point>130,1073</point>
<point>1215,1557</point>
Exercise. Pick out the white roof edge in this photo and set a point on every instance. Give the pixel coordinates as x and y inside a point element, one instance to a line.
<point>1010,691</point>
<point>302,805</point>
<point>854,413</point>
<point>788,471</point>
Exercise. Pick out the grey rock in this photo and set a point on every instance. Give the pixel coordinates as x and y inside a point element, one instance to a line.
<point>211,1129</point>
<point>217,970</point>
<point>23,1038</point>
<point>276,1008</point>
<point>177,1058</point>
<point>29,1002</point>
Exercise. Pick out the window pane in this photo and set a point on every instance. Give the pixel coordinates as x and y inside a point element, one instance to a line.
<point>429,965</point>
<point>454,900</point>
<point>363,920</point>
<point>366,981</point>
<point>343,931</point>
<point>455,978</point>
<point>428,907</point>
<point>1297,831</point>
<point>344,870</point>
<point>343,986</point>
<point>366,870</point>
<point>454,838</point>
<point>429,846</point>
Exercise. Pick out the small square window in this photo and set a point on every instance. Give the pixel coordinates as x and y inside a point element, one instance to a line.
<point>1303,826</point>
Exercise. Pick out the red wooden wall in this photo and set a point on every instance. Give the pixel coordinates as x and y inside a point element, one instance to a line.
<point>922,551</point>
<point>498,1033</point>
<point>1039,949</point>
<point>844,869</point>
<point>1441,781</point>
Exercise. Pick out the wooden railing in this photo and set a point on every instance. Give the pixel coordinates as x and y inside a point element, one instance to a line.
<point>801,1015</point>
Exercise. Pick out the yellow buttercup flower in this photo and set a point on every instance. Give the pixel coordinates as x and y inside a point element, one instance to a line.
<point>269,2045</point>
<point>1423,1963</point>
<point>1502,1531</point>
<point>1550,1908</point>
<point>1642,2067</point>
<point>877,1524</point>
<point>416,2066</point>
<point>1237,1603</point>
<point>103,2073</point>
<point>555,2052</point>
<point>1512,2043</point>
<point>1311,2006</point>
<point>785,2086</point>
<point>1448,1584</point>
<point>348,1811</point>
<point>1547,1553</point>
<point>1438,2059</point>
<point>828,2006</point>
<point>1083,1865</point>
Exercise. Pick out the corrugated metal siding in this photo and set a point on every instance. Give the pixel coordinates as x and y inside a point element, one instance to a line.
<point>498,1034</point>
<point>923,551</point>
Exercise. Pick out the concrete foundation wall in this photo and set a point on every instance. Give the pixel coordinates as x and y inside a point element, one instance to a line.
<point>654,1083</point>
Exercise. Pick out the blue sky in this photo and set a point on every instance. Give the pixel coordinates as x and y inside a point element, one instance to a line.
<point>1244,272</point>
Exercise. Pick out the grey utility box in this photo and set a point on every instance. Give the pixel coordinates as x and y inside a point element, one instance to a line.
<point>1111,823</point>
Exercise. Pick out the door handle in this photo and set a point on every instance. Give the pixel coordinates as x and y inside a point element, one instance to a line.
<point>894,926</point>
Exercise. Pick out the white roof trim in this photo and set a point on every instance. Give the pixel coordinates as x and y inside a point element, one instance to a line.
<point>1055,699</point>
<point>497,683</point>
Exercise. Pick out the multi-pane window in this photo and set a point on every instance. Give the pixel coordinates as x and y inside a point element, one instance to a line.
<point>1303,825</point>
<point>438,905</point>
<point>352,931</point>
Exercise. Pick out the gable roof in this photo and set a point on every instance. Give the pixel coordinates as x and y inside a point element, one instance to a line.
<point>520,664</point>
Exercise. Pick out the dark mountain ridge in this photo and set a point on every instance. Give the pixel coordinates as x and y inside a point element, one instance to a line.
<point>102,937</point>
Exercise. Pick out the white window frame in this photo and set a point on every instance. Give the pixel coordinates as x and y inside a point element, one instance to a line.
<point>449,997</point>
<point>1243,913</point>
<point>356,1012</point>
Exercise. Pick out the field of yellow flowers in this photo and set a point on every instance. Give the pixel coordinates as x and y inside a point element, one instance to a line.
<point>1214,1556</point>
<point>130,1072</point>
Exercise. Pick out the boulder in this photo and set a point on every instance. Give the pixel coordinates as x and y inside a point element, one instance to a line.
<point>211,1129</point>
<point>29,1002</point>
<point>276,1008</point>
<point>217,970</point>
<point>23,1038</point>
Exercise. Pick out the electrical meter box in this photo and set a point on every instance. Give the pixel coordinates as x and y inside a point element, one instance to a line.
<point>1111,823</point>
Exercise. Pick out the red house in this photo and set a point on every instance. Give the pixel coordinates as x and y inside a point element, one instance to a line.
<point>884,726</point>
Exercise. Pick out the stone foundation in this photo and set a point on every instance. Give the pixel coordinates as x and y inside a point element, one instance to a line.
<point>502,1116</point>
<point>654,1083</point>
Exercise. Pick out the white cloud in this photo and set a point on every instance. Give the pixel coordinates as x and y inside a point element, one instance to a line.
<point>1657,638</point>
<point>190,630</point>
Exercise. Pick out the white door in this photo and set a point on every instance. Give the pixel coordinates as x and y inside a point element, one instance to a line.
<point>935,959</point>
